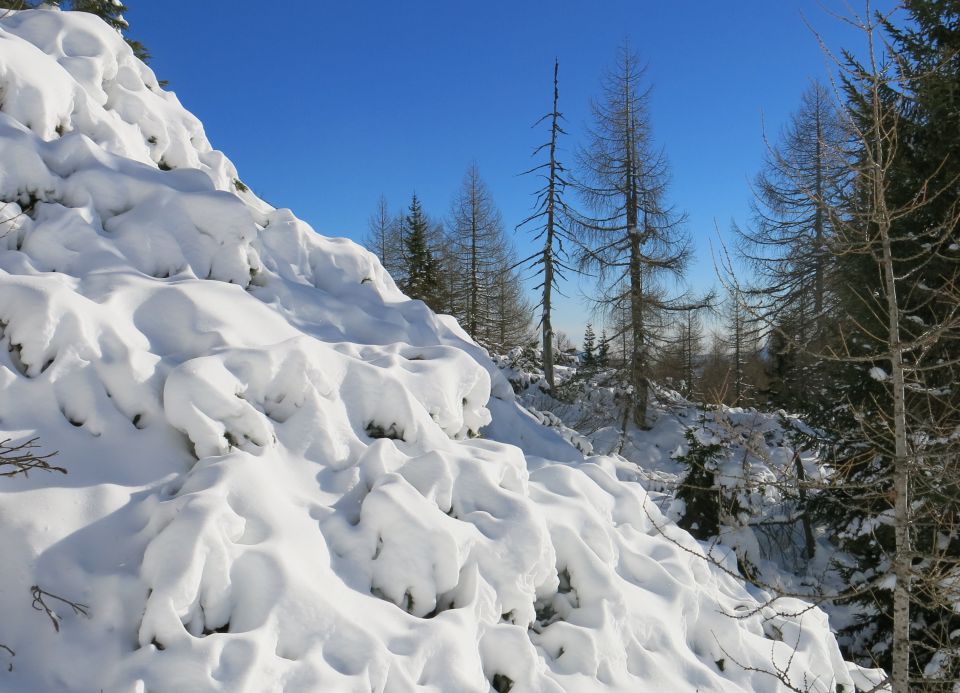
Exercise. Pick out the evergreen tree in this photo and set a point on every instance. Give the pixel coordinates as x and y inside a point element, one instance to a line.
<point>928,48</point>
<point>589,346</point>
<point>603,351</point>
<point>110,11</point>
<point>422,279</point>
<point>699,490</point>
<point>449,271</point>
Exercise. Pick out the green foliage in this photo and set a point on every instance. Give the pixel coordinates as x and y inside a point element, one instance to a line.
<point>501,683</point>
<point>603,351</point>
<point>466,270</point>
<point>589,348</point>
<point>699,490</point>
<point>921,113</point>
<point>110,11</point>
<point>422,270</point>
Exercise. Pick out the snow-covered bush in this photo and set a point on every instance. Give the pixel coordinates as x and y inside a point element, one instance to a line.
<point>698,492</point>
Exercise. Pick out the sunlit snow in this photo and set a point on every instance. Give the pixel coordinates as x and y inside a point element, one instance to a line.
<point>284,475</point>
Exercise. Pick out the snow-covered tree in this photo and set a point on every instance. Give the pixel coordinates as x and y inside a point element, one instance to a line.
<point>698,489</point>
<point>112,12</point>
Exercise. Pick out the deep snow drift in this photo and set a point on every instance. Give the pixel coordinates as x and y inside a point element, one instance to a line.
<point>284,475</point>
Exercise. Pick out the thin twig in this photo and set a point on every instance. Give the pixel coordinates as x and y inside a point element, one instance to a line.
<point>39,604</point>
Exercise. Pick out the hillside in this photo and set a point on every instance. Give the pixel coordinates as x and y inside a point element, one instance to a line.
<point>282,474</point>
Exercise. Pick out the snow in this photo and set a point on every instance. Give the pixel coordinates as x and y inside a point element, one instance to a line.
<point>878,374</point>
<point>283,473</point>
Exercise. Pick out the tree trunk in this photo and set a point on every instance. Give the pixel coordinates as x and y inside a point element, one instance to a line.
<point>474,270</point>
<point>637,360</point>
<point>877,151</point>
<point>638,365</point>
<point>901,510</point>
<point>810,545</point>
<point>548,247</point>
<point>547,329</point>
<point>818,229</point>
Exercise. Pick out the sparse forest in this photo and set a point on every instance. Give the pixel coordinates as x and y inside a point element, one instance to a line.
<point>840,304</point>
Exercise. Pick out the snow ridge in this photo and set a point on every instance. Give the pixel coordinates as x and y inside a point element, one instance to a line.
<point>284,475</point>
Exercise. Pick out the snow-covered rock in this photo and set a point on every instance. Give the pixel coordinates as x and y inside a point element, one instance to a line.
<point>284,475</point>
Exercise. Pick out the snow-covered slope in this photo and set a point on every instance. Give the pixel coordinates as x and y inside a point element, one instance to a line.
<point>275,480</point>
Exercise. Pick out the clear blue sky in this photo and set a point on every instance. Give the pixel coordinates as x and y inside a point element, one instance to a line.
<point>323,106</point>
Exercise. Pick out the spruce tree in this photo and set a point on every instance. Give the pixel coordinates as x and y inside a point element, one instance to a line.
<point>589,346</point>
<point>110,11</point>
<point>698,489</point>
<point>448,270</point>
<point>422,279</point>
<point>603,351</point>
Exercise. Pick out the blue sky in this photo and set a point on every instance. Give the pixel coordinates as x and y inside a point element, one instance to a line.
<point>323,106</point>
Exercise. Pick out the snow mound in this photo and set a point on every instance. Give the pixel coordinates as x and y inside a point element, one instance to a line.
<point>284,475</point>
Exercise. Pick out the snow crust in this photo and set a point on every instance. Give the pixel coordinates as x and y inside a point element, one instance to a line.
<point>284,475</point>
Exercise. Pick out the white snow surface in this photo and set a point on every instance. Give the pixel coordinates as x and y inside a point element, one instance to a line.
<point>211,370</point>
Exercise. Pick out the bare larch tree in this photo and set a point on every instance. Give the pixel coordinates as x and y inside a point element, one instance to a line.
<point>634,240</point>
